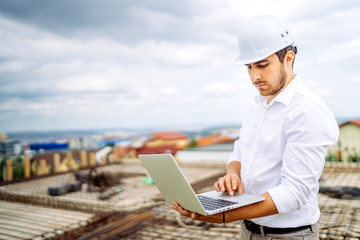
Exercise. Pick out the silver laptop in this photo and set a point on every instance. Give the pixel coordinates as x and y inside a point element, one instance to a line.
<point>171,182</point>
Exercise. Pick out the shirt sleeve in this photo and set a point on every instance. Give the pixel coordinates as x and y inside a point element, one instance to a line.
<point>235,154</point>
<point>309,131</point>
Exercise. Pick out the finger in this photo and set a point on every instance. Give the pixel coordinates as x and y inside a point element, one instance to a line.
<point>197,216</point>
<point>240,188</point>
<point>176,204</point>
<point>235,181</point>
<point>217,188</point>
<point>177,207</point>
<point>229,187</point>
<point>221,184</point>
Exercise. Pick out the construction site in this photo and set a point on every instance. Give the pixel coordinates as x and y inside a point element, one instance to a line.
<point>114,201</point>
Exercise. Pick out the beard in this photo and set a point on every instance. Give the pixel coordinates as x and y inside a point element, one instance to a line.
<point>275,87</point>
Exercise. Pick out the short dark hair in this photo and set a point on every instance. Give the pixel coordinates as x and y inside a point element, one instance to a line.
<point>281,53</point>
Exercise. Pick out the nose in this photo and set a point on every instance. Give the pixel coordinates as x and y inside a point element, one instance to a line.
<point>254,75</point>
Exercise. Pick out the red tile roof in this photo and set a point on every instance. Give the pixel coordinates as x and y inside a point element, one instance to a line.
<point>157,150</point>
<point>170,135</point>
<point>355,122</point>
<point>210,140</point>
<point>121,151</point>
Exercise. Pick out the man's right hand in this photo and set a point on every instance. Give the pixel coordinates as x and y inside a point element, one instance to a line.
<point>229,183</point>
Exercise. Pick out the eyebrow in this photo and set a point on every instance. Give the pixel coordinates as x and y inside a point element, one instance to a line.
<point>258,62</point>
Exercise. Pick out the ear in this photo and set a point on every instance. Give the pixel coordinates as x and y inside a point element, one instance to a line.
<point>289,59</point>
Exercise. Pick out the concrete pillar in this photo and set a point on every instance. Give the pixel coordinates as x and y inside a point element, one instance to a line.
<point>42,169</point>
<point>115,158</point>
<point>92,159</point>
<point>104,160</point>
<point>56,162</point>
<point>339,155</point>
<point>83,159</point>
<point>69,160</point>
<point>26,166</point>
<point>9,170</point>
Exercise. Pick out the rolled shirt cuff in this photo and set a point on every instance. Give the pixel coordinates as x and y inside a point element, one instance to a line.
<point>232,160</point>
<point>283,199</point>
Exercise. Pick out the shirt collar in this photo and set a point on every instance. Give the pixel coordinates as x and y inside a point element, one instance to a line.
<point>285,96</point>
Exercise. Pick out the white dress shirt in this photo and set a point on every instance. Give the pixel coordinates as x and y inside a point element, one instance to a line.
<point>282,147</point>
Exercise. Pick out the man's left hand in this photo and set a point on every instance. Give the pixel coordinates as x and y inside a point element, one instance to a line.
<point>216,218</point>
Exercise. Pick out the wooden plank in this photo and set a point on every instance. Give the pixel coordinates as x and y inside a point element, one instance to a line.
<point>45,224</point>
<point>12,233</point>
<point>126,225</point>
<point>121,224</point>
<point>50,224</point>
<point>25,223</point>
<point>41,214</point>
<point>40,218</point>
<point>16,227</point>
<point>6,237</point>
<point>31,228</point>
<point>47,215</point>
<point>30,208</point>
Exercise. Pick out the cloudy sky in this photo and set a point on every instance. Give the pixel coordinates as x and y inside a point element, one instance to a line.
<point>157,63</point>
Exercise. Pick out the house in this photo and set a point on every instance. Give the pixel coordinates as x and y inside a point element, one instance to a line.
<point>157,150</point>
<point>348,146</point>
<point>169,138</point>
<point>3,136</point>
<point>211,140</point>
<point>126,152</point>
<point>10,147</point>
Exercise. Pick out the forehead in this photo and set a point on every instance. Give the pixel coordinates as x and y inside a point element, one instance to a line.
<point>265,60</point>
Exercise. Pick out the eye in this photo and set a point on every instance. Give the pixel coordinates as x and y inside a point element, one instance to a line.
<point>263,65</point>
<point>248,67</point>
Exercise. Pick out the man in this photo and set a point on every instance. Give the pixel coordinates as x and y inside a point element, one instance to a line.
<point>281,150</point>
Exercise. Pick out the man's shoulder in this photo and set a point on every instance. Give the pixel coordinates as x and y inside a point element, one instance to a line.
<point>305,96</point>
<point>308,107</point>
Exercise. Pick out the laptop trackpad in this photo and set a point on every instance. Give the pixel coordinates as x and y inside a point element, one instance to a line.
<point>243,199</point>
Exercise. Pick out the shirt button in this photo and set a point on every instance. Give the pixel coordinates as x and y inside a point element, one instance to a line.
<point>247,174</point>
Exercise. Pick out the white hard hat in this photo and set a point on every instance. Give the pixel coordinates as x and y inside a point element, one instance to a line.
<point>261,37</point>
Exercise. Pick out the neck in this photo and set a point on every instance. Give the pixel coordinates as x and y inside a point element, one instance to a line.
<point>287,81</point>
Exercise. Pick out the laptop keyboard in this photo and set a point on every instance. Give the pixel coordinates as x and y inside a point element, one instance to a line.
<point>213,203</point>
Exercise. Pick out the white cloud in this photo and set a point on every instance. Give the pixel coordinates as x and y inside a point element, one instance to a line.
<point>153,64</point>
<point>12,66</point>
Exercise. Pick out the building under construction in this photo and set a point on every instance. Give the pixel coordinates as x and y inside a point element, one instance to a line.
<point>115,201</point>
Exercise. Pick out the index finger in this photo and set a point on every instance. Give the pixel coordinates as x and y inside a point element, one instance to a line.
<point>235,182</point>
<point>229,186</point>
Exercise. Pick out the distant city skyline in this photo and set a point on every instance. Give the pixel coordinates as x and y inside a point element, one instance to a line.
<point>159,64</point>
